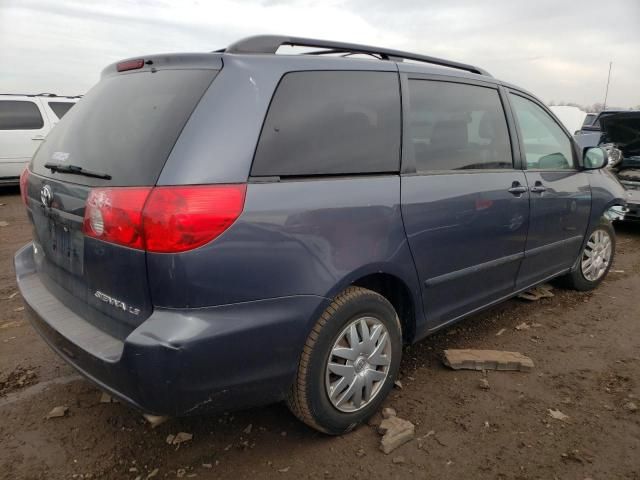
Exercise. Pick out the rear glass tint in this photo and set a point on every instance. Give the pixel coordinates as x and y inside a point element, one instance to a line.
<point>60,108</point>
<point>20,115</point>
<point>125,127</point>
<point>455,126</point>
<point>328,123</point>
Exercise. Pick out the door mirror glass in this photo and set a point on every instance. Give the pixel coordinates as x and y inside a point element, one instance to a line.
<point>594,158</point>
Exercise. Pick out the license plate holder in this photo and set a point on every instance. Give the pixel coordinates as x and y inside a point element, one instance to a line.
<point>65,246</point>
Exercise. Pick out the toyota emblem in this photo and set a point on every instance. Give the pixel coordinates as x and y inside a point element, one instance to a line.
<point>46,196</point>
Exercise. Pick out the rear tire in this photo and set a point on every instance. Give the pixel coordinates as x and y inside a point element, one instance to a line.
<point>349,363</point>
<point>595,259</point>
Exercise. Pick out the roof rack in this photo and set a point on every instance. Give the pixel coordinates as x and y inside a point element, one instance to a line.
<point>271,44</point>
<point>50,95</point>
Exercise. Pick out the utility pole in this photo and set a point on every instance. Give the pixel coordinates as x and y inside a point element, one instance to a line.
<point>606,93</point>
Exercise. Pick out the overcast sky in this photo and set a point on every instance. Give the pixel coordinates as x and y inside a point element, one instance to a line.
<point>559,50</point>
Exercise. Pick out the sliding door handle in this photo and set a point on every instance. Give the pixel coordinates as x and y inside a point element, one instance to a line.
<point>517,189</point>
<point>538,187</point>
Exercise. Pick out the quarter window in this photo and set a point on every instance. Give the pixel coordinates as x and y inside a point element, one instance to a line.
<point>456,126</point>
<point>331,123</point>
<point>546,146</point>
<point>20,115</point>
<point>60,108</point>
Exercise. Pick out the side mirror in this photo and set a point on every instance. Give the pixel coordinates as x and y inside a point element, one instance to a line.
<point>594,158</point>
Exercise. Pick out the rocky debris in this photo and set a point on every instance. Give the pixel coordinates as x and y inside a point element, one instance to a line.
<point>14,323</point>
<point>631,407</point>
<point>20,377</point>
<point>396,432</point>
<point>398,459</point>
<point>577,456</point>
<point>284,470</point>
<point>179,438</point>
<point>248,429</point>
<point>424,437</point>
<point>558,415</point>
<point>155,420</point>
<point>3,223</point>
<point>153,473</point>
<point>398,384</point>
<point>501,331</point>
<point>57,412</point>
<point>106,398</point>
<point>536,293</point>
<point>18,309</point>
<point>12,295</point>
<point>522,326</point>
<point>484,384</point>
<point>470,359</point>
<point>388,412</point>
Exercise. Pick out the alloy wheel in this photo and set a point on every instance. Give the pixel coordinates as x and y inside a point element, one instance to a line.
<point>358,364</point>
<point>596,255</point>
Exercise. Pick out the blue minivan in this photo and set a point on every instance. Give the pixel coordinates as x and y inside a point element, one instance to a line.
<point>214,231</point>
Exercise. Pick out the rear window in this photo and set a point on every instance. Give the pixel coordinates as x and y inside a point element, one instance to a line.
<point>125,127</point>
<point>60,108</point>
<point>328,123</point>
<point>20,115</point>
<point>455,126</point>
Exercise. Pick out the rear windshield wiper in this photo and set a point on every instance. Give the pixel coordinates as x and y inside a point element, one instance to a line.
<point>75,170</point>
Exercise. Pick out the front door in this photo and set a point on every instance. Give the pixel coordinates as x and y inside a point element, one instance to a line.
<point>465,207</point>
<point>559,192</point>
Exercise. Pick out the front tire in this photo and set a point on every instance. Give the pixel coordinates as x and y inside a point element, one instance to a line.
<point>595,259</point>
<point>349,362</point>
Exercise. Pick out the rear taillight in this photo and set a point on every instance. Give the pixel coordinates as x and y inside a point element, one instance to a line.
<point>24,186</point>
<point>162,219</point>
<point>115,215</point>
<point>182,218</point>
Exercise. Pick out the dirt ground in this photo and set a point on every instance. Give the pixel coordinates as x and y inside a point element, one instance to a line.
<point>586,348</point>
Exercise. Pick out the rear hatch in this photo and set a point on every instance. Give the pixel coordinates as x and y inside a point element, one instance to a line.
<point>118,136</point>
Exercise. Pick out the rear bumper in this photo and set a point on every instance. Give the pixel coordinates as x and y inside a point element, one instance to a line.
<point>180,362</point>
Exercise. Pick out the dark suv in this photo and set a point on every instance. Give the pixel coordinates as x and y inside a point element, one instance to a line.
<point>221,230</point>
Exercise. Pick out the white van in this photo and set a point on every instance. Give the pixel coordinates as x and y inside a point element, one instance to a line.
<point>25,120</point>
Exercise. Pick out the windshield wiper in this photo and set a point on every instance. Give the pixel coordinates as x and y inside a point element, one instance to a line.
<point>75,170</point>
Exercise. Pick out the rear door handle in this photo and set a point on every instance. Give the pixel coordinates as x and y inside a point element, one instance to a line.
<point>38,137</point>
<point>517,189</point>
<point>538,187</point>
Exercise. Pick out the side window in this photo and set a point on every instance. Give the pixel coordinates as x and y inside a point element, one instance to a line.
<point>546,146</point>
<point>333,122</point>
<point>60,108</point>
<point>20,115</point>
<point>456,126</point>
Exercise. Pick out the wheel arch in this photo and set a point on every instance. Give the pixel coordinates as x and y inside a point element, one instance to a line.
<point>397,290</point>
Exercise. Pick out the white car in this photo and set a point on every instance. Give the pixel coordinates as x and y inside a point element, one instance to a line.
<point>25,120</point>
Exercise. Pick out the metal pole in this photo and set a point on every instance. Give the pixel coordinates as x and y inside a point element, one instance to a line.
<point>606,94</point>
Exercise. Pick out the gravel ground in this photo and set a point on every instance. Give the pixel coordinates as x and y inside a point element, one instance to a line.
<point>586,348</point>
